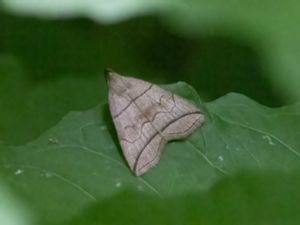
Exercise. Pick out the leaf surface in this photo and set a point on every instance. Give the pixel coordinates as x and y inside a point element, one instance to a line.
<point>78,163</point>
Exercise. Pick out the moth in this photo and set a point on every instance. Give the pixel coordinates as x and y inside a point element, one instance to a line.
<point>146,117</point>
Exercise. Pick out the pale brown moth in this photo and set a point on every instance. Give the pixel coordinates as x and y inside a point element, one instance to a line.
<point>146,117</point>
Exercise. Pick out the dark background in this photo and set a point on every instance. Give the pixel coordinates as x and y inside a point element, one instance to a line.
<point>50,67</point>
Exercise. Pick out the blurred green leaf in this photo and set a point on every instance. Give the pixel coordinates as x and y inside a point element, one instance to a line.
<point>242,199</point>
<point>12,211</point>
<point>77,164</point>
<point>271,27</point>
<point>104,11</point>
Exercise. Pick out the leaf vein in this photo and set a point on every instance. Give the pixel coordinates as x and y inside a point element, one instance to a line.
<point>61,177</point>
<point>206,158</point>
<point>287,146</point>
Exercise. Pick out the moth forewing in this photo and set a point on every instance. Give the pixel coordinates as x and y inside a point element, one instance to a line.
<point>146,117</point>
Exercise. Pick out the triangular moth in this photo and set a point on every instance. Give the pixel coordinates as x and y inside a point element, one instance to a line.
<point>146,117</point>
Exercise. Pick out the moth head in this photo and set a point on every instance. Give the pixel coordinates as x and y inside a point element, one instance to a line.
<point>115,81</point>
<point>109,75</point>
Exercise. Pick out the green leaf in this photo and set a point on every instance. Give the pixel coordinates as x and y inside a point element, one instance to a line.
<point>12,211</point>
<point>245,198</point>
<point>270,27</point>
<point>78,165</point>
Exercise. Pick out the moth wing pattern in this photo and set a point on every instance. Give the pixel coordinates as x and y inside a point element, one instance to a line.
<point>146,117</point>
